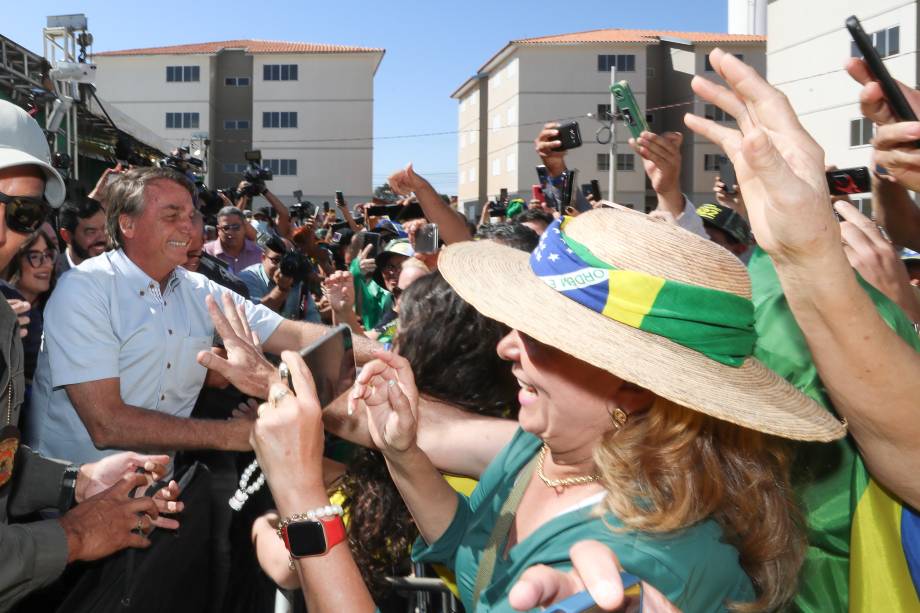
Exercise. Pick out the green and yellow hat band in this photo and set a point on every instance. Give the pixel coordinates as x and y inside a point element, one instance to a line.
<point>720,325</point>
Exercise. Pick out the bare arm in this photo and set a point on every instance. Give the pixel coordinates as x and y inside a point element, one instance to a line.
<point>871,374</point>
<point>295,335</point>
<point>451,225</point>
<point>113,424</point>
<point>352,224</point>
<point>662,159</point>
<point>895,211</point>
<point>457,441</point>
<point>283,225</point>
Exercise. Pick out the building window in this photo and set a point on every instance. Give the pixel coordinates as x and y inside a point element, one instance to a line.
<point>496,121</point>
<point>496,167</point>
<point>887,42</point>
<point>623,63</point>
<point>236,81</point>
<point>509,163</point>
<point>472,137</point>
<point>234,169</point>
<point>626,162</point>
<point>236,124</point>
<point>712,162</point>
<point>176,74</point>
<point>182,120</point>
<point>282,168</point>
<point>860,132</point>
<point>603,162</point>
<point>283,119</point>
<point>603,112</point>
<point>708,67</point>
<point>472,175</point>
<point>279,72</point>
<point>510,115</point>
<point>711,111</point>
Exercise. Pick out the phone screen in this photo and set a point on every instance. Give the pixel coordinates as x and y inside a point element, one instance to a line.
<point>339,198</point>
<point>331,361</point>
<point>849,181</point>
<point>372,238</point>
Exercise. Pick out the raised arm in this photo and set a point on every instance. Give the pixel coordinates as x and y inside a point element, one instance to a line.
<point>871,374</point>
<point>451,225</point>
<point>283,225</point>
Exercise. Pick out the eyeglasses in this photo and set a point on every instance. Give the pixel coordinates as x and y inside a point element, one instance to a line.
<point>37,258</point>
<point>274,259</point>
<point>230,227</point>
<point>24,214</point>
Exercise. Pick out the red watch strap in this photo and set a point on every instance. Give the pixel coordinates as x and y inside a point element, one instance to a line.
<point>334,528</point>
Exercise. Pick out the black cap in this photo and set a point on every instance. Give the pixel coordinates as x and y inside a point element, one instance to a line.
<point>727,220</point>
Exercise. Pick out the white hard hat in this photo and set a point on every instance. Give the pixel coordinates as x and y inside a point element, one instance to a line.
<point>22,142</point>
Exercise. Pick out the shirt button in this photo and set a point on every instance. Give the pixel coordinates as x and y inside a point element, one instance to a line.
<point>163,397</point>
<point>168,365</point>
<point>142,292</point>
<point>170,331</point>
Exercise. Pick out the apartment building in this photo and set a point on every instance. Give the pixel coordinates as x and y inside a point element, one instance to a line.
<point>806,51</point>
<point>567,76</point>
<point>307,107</point>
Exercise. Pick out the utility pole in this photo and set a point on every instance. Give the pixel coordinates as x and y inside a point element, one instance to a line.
<point>612,164</point>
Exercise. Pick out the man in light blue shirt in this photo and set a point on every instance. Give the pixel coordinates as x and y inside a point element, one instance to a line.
<point>118,366</point>
<point>269,287</point>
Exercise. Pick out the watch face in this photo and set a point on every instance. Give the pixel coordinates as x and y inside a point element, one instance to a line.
<point>306,538</point>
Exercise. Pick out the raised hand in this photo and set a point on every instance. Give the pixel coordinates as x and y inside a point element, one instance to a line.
<point>779,166</point>
<point>386,388</point>
<point>661,157</point>
<point>406,181</point>
<point>545,145</point>
<point>245,365</point>
<point>367,264</point>
<point>340,289</point>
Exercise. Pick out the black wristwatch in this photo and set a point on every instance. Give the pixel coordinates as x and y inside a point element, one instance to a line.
<point>68,497</point>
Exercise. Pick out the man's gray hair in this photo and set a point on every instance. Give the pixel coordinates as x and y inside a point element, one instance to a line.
<point>230,210</point>
<point>125,195</point>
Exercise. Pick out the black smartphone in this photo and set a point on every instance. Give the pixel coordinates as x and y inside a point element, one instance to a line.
<point>372,238</point>
<point>846,181</point>
<point>331,361</point>
<point>427,239</point>
<point>728,176</point>
<point>567,191</point>
<point>339,199</point>
<point>569,136</point>
<point>325,207</point>
<point>596,190</point>
<point>893,93</point>
<point>503,196</point>
<point>542,176</point>
<point>385,210</point>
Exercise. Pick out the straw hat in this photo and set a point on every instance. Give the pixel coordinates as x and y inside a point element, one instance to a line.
<point>498,281</point>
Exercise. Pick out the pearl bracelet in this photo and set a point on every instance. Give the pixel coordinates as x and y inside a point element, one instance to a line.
<point>330,510</point>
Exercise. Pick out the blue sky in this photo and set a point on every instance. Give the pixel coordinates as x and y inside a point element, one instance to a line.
<point>431,47</point>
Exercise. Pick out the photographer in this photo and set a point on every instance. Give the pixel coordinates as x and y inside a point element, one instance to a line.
<point>277,282</point>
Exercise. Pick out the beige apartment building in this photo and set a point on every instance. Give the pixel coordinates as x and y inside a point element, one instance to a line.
<point>567,76</point>
<point>807,48</point>
<point>307,107</point>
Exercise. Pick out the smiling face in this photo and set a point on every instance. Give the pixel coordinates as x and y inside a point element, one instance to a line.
<point>564,401</point>
<point>35,268</point>
<point>157,240</point>
<point>88,240</point>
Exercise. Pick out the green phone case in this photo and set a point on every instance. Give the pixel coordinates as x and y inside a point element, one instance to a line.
<point>632,115</point>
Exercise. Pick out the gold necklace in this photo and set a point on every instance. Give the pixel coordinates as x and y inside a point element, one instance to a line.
<point>554,483</point>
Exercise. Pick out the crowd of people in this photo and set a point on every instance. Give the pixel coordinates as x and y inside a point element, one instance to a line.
<point>708,407</point>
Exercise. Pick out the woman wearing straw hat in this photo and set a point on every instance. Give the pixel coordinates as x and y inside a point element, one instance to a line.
<point>644,423</point>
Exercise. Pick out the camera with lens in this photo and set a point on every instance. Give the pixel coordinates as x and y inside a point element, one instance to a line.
<point>294,265</point>
<point>183,161</point>
<point>255,175</point>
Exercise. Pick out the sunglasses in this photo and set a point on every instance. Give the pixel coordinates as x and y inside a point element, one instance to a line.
<point>230,227</point>
<point>24,214</point>
<point>37,258</point>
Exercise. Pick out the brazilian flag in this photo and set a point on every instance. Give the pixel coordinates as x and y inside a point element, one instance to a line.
<point>864,544</point>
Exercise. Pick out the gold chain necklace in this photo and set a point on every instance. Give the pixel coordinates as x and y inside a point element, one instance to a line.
<point>554,483</point>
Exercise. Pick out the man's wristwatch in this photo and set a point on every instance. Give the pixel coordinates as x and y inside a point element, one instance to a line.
<point>313,533</point>
<point>68,496</point>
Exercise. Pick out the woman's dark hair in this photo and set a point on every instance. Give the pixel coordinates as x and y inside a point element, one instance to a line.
<point>14,270</point>
<point>451,349</point>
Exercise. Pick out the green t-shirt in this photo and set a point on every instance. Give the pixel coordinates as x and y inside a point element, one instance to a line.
<point>829,478</point>
<point>375,301</point>
<point>692,567</point>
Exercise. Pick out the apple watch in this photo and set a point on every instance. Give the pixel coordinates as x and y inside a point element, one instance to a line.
<point>312,537</point>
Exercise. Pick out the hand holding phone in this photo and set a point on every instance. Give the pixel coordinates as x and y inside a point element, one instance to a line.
<point>569,136</point>
<point>628,108</point>
<point>848,181</point>
<point>331,361</point>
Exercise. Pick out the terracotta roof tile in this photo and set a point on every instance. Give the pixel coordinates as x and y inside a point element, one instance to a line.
<point>617,35</point>
<point>251,46</point>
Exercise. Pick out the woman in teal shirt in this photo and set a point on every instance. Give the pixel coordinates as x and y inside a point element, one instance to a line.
<point>644,424</point>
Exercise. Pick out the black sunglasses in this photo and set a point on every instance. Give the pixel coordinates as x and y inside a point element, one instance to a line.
<point>24,214</point>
